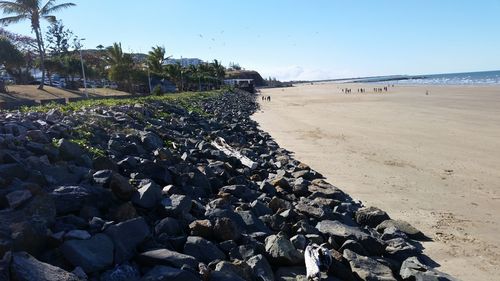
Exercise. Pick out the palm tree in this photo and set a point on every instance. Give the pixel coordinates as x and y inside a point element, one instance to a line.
<point>32,10</point>
<point>219,70</point>
<point>155,59</point>
<point>120,66</point>
<point>174,73</point>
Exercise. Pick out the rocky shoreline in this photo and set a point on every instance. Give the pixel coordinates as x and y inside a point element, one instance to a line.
<point>141,192</point>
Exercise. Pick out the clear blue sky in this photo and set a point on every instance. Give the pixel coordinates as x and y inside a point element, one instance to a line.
<point>308,39</point>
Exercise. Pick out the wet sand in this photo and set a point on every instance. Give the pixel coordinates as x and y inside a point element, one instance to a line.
<point>432,160</point>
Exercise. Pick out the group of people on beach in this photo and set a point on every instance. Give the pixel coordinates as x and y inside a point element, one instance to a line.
<point>348,90</point>
<point>264,98</point>
<point>380,90</point>
<point>363,90</point>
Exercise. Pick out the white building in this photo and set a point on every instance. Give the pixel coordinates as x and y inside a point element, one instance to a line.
<point>184,62</point>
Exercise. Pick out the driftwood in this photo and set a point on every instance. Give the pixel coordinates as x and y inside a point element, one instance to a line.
<point>317,259</point>
<point>221,145</point>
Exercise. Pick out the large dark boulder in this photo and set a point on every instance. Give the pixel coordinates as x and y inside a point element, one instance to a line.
<point>72,198</point>
<point>126,237</point>
<point>167,257</point>
<point>26,268</point>
<point>69,150</point>
<point>148,196</point>
<point>402,226</point>
<point>281,251</point>
<point>252,222</point>
<point>203,250</point>
<point>167,273</point>
<point>370,216</point>
<point>342,232</point>
<point>368,269</point>
<point>92,255</point>
<point>413,269</point>
<point>176,205</point>
<point>261,268</point>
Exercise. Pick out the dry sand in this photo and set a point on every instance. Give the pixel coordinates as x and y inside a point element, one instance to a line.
<point>432,160</point>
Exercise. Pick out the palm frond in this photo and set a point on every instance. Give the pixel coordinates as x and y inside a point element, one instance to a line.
<point>14,19</point>
<point>48,5</point>
<point>50,19</point>
<point>13,8</point>
<point>52,9</point>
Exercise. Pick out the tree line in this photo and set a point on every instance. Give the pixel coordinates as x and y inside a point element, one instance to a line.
<point>59,51</point>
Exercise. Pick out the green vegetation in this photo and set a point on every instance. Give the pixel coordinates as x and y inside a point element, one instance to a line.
<point>84,134</point>
<point>32,11</point>
<point>187,101</point>
<point>96,152</point>
<point>107,67</point>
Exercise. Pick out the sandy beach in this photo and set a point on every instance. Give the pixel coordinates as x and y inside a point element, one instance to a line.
<point>432,160</point>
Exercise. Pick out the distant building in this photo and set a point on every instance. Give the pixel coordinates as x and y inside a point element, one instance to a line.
<point>244,84</point>
<point>184,62</point>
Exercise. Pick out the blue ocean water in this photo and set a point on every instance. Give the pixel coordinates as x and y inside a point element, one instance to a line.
<point>466,78</point>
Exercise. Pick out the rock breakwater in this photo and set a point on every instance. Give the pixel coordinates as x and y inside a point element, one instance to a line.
<point>140,192</point>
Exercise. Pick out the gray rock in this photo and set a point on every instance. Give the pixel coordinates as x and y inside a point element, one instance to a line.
<point>391,233</point>
<point>310,210</point>
<point>413,269</point>
<point>92,255</point>
<point>102,177</point>
<point>291,273</point>
<point>236,268</point>
<point>244,252</point>
<point>151,141</point>
<point>252,222</point>
<point>127,236</point>
<point>277,204</point>
<point>260,209</point>
<point>123,272</point>
<point>201,228</point>
<point>168,226</point>
<point>225,276</point>
<point>77,234</point>
<point>14,170</point>
<point>402,226</point>
<point>368,269</point>
<point>370,216</point>
<point>26,268</point>
<point>18,197</point>
<point>261,268</point>
<point>241,191</point>
<point>69,150</point>
<point>167,257</point>
<point>120,186</point>
<point>72,198</point>
<point>354,246</point>
<point>299,241</point>
<point>148,196</point>
<point>166,273</point>
<point>123,212</point>
<point>37,136</point>
<point>342,232</point>
<point>281,251</point>
<point>326,190</point>
<point>176,205</point>
<point>400,249</point>
<point>203,250</point>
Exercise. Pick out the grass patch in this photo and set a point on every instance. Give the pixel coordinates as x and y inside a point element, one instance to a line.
<point>187,100</point>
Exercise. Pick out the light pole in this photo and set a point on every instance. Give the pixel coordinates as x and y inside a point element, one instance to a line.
<point>79,45</point>
<point>149,79</point>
